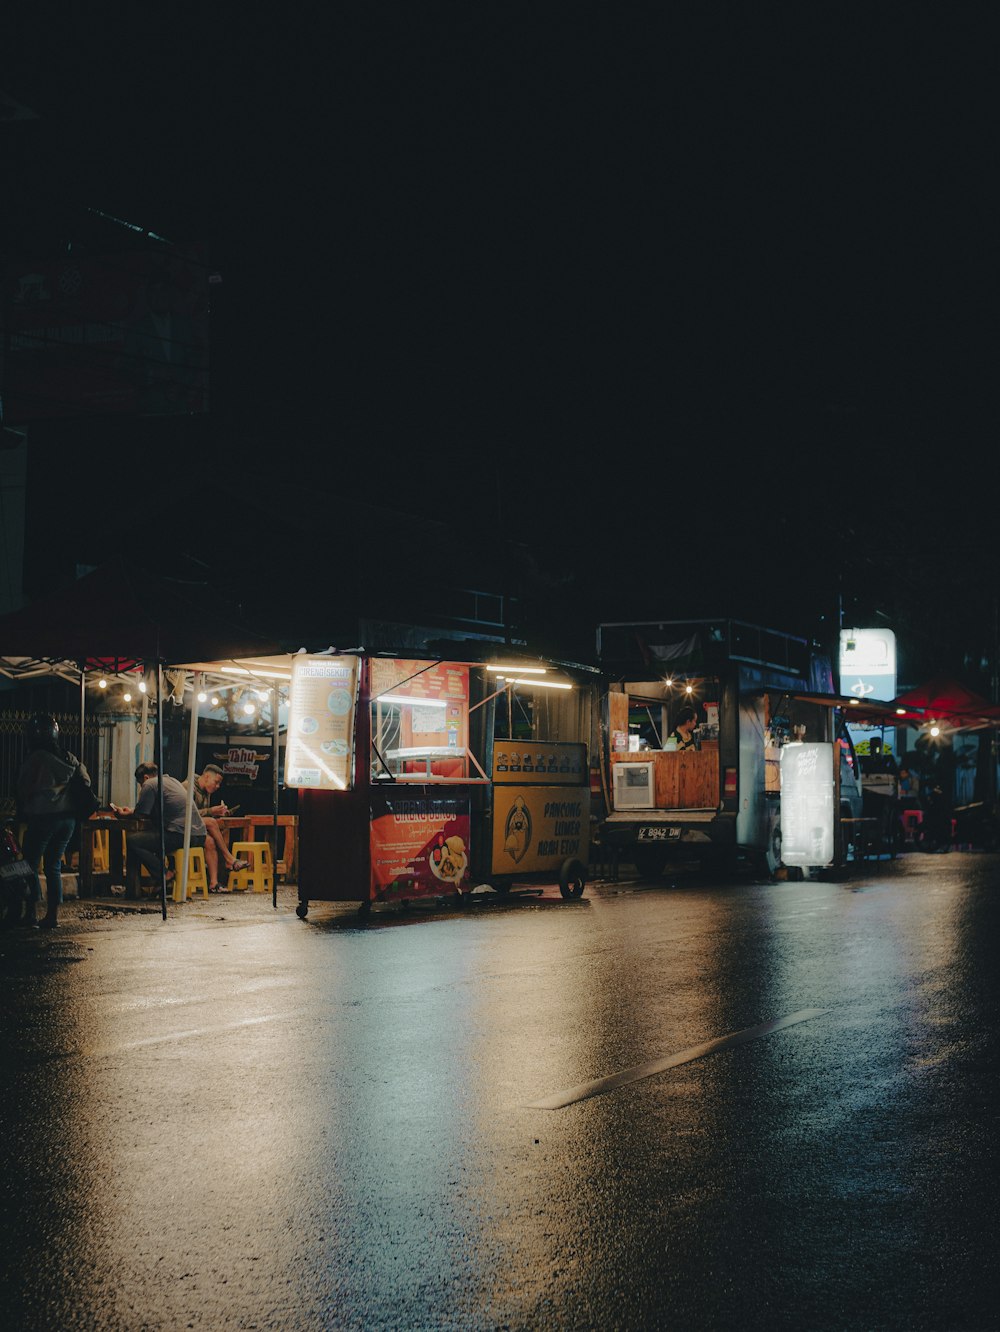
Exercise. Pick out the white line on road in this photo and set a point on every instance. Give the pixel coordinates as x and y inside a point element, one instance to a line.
<point>601,1085</point>
<point>185,1034</point>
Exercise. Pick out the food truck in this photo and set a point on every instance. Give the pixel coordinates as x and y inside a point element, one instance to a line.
<point>772,778</point>
<point>435,778</point>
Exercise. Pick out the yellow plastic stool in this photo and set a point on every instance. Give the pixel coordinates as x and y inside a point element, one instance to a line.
<point>100,861</point>
<point>197,871</point>
<point>260,876</point>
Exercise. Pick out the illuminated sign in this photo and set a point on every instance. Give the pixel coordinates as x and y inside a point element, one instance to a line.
<point>868,663</point>
<point>319,752</point>
<point>807,804</point>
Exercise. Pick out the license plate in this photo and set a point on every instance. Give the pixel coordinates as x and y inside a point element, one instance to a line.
<point>18,869</point>
<point>659,834</point>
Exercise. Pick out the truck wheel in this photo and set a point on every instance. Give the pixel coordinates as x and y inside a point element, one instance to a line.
<point>772,855</point>
<point>572,878</point>
<point>649,861</point>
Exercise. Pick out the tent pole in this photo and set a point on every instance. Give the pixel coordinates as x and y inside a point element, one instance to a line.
<point>275,699</point>
<point>180,883</point>
<point>159,786</point>
<point>144,722</point>
<point>83,706</point>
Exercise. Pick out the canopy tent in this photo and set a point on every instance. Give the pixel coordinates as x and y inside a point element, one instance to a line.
<point>941,701</point>
<point>119,616</point>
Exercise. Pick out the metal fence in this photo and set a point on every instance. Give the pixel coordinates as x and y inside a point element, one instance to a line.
<point>13,748</point>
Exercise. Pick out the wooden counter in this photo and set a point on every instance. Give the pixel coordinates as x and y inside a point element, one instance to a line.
<point>686,779</point>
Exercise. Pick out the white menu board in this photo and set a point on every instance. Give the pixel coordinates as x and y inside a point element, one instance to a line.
<point>319,753</point>
<point>807,804</point>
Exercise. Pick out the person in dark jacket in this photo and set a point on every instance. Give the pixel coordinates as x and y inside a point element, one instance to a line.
<point>44,804</point>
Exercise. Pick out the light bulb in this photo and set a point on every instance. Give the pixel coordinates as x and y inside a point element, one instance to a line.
<point>215,700</point>
<point>142,686</point>
<point>249,708</point>
<point>127,697</point>
<point>102,683</point>
<point>203,697</point>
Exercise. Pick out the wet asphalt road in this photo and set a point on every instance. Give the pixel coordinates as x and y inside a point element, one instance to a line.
<point>258,1122</point>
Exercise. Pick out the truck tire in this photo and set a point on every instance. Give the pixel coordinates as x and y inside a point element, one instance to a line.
<point>572,878</point>
<point>649,861</point>
<point>772,856</point>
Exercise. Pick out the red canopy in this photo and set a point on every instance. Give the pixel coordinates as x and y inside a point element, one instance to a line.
<point>943,699</point>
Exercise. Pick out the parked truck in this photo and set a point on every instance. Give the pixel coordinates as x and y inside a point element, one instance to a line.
<point>756,691</point>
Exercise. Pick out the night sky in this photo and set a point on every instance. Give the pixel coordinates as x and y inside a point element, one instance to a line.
<point>715,280</point>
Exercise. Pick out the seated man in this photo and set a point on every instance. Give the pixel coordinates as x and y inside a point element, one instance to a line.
<point>143,848</point>
<point>205,786</point>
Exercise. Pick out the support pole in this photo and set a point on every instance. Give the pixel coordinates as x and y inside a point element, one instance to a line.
<point>275,731</point>
<point>159,786</point>
<point>180,882</point>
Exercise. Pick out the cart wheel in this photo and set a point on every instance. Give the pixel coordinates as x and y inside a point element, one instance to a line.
<point>301,910</point>
<point>572,878</point>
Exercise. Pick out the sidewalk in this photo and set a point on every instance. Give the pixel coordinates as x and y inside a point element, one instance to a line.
<point>110,911</point>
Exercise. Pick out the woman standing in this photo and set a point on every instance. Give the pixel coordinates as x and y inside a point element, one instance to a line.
<point>45,805</point>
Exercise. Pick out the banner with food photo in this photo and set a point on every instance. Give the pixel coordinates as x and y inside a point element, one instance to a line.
<point>419,846</point>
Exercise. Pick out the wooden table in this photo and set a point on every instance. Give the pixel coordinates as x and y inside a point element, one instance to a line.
<point>90,879</point>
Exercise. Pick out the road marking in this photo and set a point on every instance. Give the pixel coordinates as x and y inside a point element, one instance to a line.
<point>184,1034</point>
<point>601,1085</point>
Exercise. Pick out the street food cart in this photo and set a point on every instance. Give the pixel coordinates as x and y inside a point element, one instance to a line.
<point>434,778</point>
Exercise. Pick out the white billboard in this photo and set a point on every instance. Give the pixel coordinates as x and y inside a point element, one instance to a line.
<point>807,804</point>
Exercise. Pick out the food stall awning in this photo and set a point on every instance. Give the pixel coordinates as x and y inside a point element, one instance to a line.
<point>939,700</point>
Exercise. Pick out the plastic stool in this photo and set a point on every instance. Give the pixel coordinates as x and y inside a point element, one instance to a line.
<point>100,856</point>
<point>197,872</point>
<point>260,876</point>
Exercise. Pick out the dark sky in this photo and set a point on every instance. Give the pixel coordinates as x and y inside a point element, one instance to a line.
<point>722,277</point>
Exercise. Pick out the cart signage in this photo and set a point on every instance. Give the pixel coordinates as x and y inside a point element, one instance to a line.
<point>538,827</point>
<point>520,762</point>
<point>438,680</point>
<point>419,846</point>
<point>319,751</point>
<point>807,804</point>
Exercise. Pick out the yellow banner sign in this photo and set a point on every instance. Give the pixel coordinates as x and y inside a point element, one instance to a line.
<point>538,827</point>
